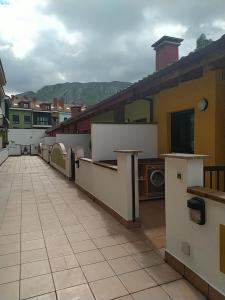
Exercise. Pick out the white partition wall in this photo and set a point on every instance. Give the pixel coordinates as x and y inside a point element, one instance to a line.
<point>3,155</point>
<point>24,137</point>
<point>106,138</point>
<point>112,186</point>
<point>196,246</point>
<point>49,140</point>
<point>76,141</point>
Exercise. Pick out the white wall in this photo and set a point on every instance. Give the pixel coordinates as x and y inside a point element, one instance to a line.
<point>105,138</point>
<point>14,149</point>
<point>49,140</point>
<point>24,137</point>
<point>202,239</point>
<point>112,187</point>
<point>75,141</point>
<point>3,155</point>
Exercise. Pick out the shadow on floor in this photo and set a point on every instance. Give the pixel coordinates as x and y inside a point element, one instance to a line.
<point>152,216</point>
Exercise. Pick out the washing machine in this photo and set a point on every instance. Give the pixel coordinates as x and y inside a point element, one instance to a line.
<point>156,181</point>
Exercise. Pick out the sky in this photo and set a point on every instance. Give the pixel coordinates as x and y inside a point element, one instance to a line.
<point>44,42</point>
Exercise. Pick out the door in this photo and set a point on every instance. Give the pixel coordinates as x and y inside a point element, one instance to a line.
<point>72,165</point>
<point>182,131</point>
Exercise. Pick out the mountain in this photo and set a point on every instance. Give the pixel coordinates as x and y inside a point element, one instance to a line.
<point>87,93</point>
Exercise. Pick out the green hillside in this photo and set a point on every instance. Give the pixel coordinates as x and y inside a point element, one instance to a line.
<point>87,93</point>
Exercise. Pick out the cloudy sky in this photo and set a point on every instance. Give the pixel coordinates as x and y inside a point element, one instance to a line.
<point>50,41</point>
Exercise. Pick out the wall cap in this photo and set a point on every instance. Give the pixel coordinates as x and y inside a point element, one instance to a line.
<point>185,156</point>
<point>211,194</point>
<point>128,151</point>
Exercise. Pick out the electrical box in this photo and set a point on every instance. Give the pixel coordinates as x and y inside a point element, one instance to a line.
<point>197,210</point>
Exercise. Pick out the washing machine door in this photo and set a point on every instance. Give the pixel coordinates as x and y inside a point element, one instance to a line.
<point>157,178</point>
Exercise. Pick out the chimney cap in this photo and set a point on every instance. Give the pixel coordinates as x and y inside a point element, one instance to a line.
<point>167,40</point>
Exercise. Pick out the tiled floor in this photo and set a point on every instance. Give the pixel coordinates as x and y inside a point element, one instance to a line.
<point>55,243</point>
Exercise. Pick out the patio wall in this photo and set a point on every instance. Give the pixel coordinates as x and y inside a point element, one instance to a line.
<point>60,159</point>
<point>3,155</point>
<point>197,247</point>
<point>106,138</point>
<point>76,141</point>
<point>111,186</point>
<point>30,137</point>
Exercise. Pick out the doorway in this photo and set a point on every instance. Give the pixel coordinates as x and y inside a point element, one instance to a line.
<point>182,131</point>
<point>72,165</point>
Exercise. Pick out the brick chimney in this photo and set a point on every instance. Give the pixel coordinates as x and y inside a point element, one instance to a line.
<point>166,51</point>
<point>75,110</point>
<point>55,102</point>
<point>61,103</point>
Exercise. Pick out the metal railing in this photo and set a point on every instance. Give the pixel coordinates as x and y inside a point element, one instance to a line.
<point>214,177</point>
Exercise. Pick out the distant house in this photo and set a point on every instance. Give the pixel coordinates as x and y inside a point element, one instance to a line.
<point>4,110</point>
<point>25,114</point>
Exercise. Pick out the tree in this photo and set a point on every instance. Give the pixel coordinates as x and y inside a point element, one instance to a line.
<point>202,42</point>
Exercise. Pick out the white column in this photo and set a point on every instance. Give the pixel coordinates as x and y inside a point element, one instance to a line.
<point>125,163</point>
<point>181,171</point>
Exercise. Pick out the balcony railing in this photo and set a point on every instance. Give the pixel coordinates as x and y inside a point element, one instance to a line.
<point>214,177</point>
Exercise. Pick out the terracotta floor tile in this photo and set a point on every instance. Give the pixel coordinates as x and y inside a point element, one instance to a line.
<point>97,271</point>
<point>11,259</point>
<point>35,286</point>
<point>63,263</point>
<point>32,245</point>
<point>182,290</point>
<point>29,236</point>
<point>136,247</point>
<point>81,292</point>
<point>9,248</point>
<point>105,241</point>
<point>83,246</point>
<point>33,255</point>
<point>148,259</point>
<point>9,274</point>
<point>36,268</point>
<point>155,293</point>
<point>68,278</point>
<point>137,281</point>
<point>114,252</point>
<point>9,291</point>
<point>49,296</point>
<point>89,257</point>
<point>124,264</point>
<point>163,273</point>
<point>8,239</point>
<point>108,288</point>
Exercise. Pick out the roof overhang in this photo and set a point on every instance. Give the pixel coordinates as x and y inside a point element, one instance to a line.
<point>187,68</point>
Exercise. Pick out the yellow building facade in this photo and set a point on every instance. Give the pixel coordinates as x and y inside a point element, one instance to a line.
<point>209,125</point>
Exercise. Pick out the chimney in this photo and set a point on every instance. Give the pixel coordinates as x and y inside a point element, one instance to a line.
<point>61,103</point>
<point>75,110</point>
<point>55,102</point>
<point>166,51</point>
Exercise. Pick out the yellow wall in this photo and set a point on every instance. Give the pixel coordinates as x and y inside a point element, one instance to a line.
<point>137,110</point>
<point>186,96</point>
<point>220,120</point>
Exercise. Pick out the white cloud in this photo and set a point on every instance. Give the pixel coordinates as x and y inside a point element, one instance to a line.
<point>22,23</point>
<point>219,24</point>
<point>176,30</point>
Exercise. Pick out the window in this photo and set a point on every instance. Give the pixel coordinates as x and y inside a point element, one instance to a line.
<point>27,119</point>
<point>26,105</point>
<point>16,119</point>
<point>42,120</point>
